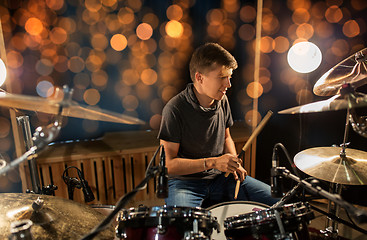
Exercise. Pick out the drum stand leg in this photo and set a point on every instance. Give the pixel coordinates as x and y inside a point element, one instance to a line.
<point>24,120</point>
<point>334,209</point>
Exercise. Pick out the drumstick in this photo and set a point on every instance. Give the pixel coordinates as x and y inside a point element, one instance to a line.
<point>237,189</point>
<point>254,134</point>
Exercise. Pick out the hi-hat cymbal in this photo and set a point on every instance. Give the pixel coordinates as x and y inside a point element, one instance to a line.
<point>58,218</point>
<point>326,163</point>
<point>334,103</point>
<point>70,108</point>
<point>352,70</point>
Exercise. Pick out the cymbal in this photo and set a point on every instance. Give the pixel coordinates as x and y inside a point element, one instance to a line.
<point>58,218</point>
<point>352,70</point>
<point>334,103</point>
<point>70,108</point>
<point>327,164</point>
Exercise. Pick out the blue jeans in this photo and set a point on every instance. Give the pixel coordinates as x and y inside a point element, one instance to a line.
<point>192,193</point>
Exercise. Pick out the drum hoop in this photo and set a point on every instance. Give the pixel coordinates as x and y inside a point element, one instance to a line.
<point>237,202</point>
<point>167,212</point>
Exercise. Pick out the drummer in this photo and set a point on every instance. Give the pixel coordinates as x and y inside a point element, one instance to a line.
<point>196,138</point>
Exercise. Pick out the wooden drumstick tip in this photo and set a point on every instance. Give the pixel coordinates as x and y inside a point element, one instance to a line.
<point>237,189</point>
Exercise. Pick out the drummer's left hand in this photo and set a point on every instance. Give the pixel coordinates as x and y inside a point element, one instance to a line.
<point>240,174</point>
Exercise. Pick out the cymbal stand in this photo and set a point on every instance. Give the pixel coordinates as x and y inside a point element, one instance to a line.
<point>331,226</point>
<point>24,122</point>
<point>41,138</point>
<point>360,215</point>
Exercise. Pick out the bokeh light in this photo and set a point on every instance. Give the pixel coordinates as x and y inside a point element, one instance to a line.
<point>118,42</point>
<point>45,88</point>
<point>174,29</point>
<point>304,57</point>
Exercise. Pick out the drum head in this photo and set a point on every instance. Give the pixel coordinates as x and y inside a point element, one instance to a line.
<point>228,209</point>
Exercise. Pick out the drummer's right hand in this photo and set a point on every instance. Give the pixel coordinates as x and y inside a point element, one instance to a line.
<point>228,163</point>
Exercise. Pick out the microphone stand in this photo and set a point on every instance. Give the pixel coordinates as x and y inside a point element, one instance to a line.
<point>359,215</point>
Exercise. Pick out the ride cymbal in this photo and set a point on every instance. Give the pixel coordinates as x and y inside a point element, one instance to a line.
<point>57,218</point>
<point>352,70</point>
<point>69,108</point>
<point>327,163</point>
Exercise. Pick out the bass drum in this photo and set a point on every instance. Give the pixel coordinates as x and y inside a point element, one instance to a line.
<point>228,209</point>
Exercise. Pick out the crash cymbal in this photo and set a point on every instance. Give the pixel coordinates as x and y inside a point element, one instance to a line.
<point>334,103</point>
<point>326,163</point>
<point>70,108</point>
<point>352,70</point>
<point>57,218</point>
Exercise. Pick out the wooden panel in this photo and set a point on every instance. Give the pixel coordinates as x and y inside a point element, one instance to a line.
<point>114,165</point>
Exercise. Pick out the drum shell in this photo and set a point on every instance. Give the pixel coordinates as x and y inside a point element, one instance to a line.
<point>163,222</point>
<point>227,209</point>
<point>263,224</point>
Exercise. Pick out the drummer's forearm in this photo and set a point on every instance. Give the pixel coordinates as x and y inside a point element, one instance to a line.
<point>229,146</point>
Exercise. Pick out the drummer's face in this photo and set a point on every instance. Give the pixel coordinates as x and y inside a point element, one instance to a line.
<point>216,81</point>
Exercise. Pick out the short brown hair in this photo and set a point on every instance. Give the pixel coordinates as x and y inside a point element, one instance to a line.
<point>208,54</point>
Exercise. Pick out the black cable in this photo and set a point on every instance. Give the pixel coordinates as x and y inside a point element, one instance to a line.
<point>80,174</point>
<point>288,158</point>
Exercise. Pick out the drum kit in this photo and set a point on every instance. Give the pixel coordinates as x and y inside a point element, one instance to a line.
<point>34,216</point>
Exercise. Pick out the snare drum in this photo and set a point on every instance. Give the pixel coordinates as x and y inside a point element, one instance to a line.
<point>166,223</point>
<point>227,209</point>
<point>286,222</point>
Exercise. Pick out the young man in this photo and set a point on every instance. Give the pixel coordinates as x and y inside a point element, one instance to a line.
<point>195,134</point>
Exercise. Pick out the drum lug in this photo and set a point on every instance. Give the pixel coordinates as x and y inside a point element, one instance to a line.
<point>121,233</point>
<point>161,229</point>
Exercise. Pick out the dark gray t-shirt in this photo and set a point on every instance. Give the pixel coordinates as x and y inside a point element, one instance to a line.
<point>200,132</point>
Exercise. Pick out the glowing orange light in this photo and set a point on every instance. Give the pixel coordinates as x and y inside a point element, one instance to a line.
<point>300,15</point>
<point>149,76</point>
<point>266,45</point>
<point>93,5</point>
<point>248,14</point>
<point>14,59</point>
<point>91,96</point>
<point>281,44</point>
<point>333,14</point>
<point>58,35</point>
<point>76,64</point>
<point>174,12</point>
<point>305,31</point>
<point>174,29</point>
<point>126,15</point>
<point>144,31</point>
<point>99,41</point>
<point>254,90</point>
<point>118,42</point>
<point>55,4</point>
<point>351,28</point>
<point>34,26</point>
